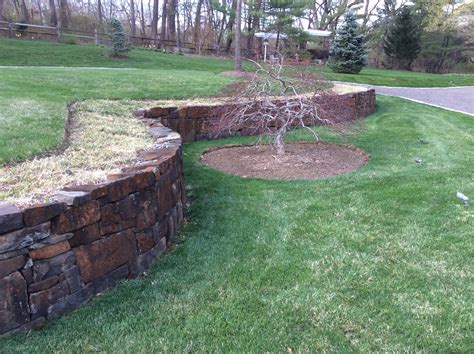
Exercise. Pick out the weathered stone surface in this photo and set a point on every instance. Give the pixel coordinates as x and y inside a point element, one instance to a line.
<point>108,281</point>
<point>10,218</point>
<point>23,238</point>
<point>40,301</point>
<point>157,112</point>
<point>95,190</point>
<point>128,207</point>
<point>143,180</point>
<point>120,189</point>
<point>69,303</point>
<point>50,251</point>
<point>101,257</point>
<point>73,279</point>
<point>111,219</point>
<point>72,198</point>
<point>42,213</point>
<point>30,326</point>
<point>11,254</point>
<point>145,241</point>
<point>144,261</point>
<point>44,284</point>
<point>85,235</point>
<point>43,269</point>
<point>76,217</point>
<point>51,240</point>
<point>13,302</point>
<point>11,265</point>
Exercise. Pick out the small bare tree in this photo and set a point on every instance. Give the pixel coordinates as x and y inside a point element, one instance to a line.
<point>271,104</point>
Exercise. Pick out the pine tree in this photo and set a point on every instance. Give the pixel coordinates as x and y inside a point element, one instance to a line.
<point>120,43</point>
<point>348,51</point>
<point>401,41</point>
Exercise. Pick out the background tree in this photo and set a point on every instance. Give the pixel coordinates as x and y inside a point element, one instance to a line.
<point>348,51</point>
<point>401,42</point>
<point>120,43</point>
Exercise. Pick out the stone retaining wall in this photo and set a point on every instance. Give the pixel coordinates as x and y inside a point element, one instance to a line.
<point>197,122</point>
<point>56,256</point>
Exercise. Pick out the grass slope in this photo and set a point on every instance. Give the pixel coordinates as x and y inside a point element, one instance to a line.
<point>34,100</point>
<point>400,78</point>
<point>376,260</point>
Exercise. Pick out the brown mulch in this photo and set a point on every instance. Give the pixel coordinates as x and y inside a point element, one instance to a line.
<point>301,160</point>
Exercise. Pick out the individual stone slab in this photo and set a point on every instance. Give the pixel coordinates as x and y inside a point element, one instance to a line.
<point>51,240</point>
<point>23,238</point>
<point>85,235</point>
<point>72,198</point>
<point>42,212</point>
<point>11,265</point>
<point>145,241</point>
<point>50,251</point>
<point>40,301</point>
<point>101,257</point>
<point>11,218</point>
<point>95,190</point>
<point>14,302</point>
<point>46,268</point>
<point>76,218</point>
<point>30,326</point>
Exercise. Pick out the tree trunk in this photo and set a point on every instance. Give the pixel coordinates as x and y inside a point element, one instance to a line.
<point>230,26</point>
<point>163,25</point>
<point>64,13</point>
<point>53,17</point>
<point>142,21</point>
<point>40,11</point>
<point>171,20</point>
<point>99,11</point>
<point>154,23</point>
<point>25,15</point>
<point>2,5</point>
<point>279,141</point>
<point>238,44</point>
<point>197,27</point>
<point>133,19</point>
<point>178,38</point>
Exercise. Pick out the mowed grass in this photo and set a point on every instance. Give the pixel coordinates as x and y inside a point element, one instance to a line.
<point>34,99</point>
<point>400,78</point>
<point>380,259</point>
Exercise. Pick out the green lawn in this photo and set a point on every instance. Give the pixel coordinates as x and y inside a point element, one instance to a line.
<point>34,98</point>
<point>400,78</point>
<point>380,259</point>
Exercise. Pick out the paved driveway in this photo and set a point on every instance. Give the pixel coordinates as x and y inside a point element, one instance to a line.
<point>457,98</point>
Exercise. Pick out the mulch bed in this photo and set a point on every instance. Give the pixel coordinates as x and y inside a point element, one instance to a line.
<point>301,160</point>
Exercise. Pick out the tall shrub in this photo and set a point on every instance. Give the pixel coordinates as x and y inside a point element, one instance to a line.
<point>120,42</point>
<point>401,41</point>
<point>348,50</point>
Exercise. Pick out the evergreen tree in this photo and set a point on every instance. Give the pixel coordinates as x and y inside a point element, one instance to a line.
<point>120,43</point>
<point>348,50</point>
<point>401,41</point>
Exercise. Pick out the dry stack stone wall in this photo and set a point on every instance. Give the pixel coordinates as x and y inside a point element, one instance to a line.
<point>196,123</point>
<point>56,256</point>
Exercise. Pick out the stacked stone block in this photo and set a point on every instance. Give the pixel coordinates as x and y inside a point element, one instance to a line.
<point>56,256</point>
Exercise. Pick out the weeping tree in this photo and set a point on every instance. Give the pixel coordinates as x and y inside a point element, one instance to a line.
<point>270,104</point>
<point>348,52</point>
<point>120,42</point>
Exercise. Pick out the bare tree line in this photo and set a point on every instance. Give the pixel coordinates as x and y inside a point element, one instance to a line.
<point>211,23</point>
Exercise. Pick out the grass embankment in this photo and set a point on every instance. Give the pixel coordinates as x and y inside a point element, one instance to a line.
<point>33,100</point>
<point>399,78</point>
<point>99,126</point>
<point>376,260</point>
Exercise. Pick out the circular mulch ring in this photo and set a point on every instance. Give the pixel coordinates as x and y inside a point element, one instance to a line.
<point>301,160</point>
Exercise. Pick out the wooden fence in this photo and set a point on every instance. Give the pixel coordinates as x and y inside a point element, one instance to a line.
<point>30,31</point>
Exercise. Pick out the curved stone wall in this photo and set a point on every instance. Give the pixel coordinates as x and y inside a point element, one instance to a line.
<point>56,256</point>
<point>196,122</point>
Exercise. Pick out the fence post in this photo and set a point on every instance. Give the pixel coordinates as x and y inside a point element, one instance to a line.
<point>10,28</point>
<point>96,37</point>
